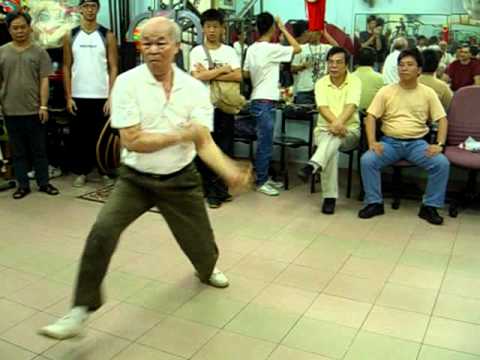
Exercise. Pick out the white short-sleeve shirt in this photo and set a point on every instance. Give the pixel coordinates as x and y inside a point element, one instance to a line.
<point>224,55</point>
<point>138,98</point>
<point>263,62</point>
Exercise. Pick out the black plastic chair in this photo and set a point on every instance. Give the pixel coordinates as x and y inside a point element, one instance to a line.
<point>286,142</point>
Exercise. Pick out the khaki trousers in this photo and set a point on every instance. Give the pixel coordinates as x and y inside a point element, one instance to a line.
<point>180,200</point>
<point>326,156</point>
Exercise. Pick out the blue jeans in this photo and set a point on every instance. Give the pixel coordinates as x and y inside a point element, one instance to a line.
<point>438,168</point>
<point>263,112</point>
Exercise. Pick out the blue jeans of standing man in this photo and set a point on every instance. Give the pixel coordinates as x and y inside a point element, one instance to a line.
<point>414,151</point>
<point>264,113</point>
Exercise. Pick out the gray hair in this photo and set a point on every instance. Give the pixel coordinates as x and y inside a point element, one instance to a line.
<point>400,43</point>
<point>174,33</point>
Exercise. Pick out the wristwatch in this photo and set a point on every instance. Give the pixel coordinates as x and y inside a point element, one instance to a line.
<point>442,145</point>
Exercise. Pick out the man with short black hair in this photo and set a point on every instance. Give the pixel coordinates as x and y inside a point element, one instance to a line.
<point>24,70</point>
<point>404,110</point>
<point>338,126</point>
<point>463,72</point>
<point>224,65</point>
<point>262,65</point>
<point>371,80</point>
<point>374,39</point>
<point>429,68</point>
<point>90,66</point>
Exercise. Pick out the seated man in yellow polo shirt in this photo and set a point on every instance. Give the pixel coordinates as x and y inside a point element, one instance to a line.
<point>337,96</point>
<point>404,110</point>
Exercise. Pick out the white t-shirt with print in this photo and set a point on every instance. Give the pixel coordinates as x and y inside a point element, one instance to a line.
<point>316,56</point>
<point>263,62</point>
<point>224,55</point>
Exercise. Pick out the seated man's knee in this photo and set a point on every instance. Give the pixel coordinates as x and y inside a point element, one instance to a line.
<point>368,159</point>
<point>441,162</point>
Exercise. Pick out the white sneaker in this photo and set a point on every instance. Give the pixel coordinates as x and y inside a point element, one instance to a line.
<point>218,279</point>
<point>276,184</point>
<point>80,181</point>
<point>267,189</point>
<point>69,326</point>
<point>107,181</point>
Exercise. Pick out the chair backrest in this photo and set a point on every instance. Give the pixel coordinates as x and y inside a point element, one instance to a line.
<point>464,115</point>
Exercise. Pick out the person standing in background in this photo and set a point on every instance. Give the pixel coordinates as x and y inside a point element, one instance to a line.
<point>24,70</point>
<point>90,66</point>
<point>262,65</point>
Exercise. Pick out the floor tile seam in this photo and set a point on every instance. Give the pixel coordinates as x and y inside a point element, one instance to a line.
<point>435,302</point>
<point>136,342</point>
<point>376,299</point>
<point>20,347</point>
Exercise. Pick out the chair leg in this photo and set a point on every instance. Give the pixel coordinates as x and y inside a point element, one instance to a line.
<point>285,169</point>
<point>397,184</point>
<point>359,170</point>
<point>313,179</point>
<point>350,174</point>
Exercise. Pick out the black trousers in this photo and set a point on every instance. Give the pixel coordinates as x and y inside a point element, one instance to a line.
<point>85,129</point>
<point>27,136</point>
<point>223,135</point>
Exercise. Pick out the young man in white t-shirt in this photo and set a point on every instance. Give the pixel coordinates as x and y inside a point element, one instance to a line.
<point>90,66</point>
<point>310,65</point>
<point>262,65</point>
<point>225,66</point>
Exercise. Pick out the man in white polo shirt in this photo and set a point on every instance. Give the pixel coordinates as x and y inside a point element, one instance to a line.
<point>160,125</point>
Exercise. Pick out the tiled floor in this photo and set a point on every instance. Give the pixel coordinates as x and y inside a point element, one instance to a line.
<point>304,286</point>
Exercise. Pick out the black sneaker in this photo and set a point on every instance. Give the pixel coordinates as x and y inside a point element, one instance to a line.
<point>371,210</point>
<point>328,206</point>
<point>226,197</point>
<point>305,172</point>
<point>430,214</point>
<point>214,203</point>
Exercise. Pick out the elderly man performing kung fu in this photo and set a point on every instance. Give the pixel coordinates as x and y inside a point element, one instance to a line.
<point>164,117</point>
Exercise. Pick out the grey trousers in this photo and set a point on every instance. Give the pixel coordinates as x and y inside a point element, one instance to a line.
<point>180,200</point>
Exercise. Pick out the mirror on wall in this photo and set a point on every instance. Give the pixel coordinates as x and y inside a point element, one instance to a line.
<point>464,29</point>
<point>407,25</point>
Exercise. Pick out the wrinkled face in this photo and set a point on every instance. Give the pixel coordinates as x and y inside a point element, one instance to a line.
<point>89,11</point>
<point>158,47</point>
<point>408,69</point>
<point>213,31</point>
<point>464,54</point>
<point>337,66</point>
<point>20,30</point>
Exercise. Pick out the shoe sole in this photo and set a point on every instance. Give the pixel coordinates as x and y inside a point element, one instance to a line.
<point>369,217</point>
<point>264,193</point>
<point>427,220</point>
<point>81,334</point>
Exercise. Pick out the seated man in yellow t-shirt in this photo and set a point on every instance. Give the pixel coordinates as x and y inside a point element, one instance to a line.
<point>404,110</point>
<point>337,96</point>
